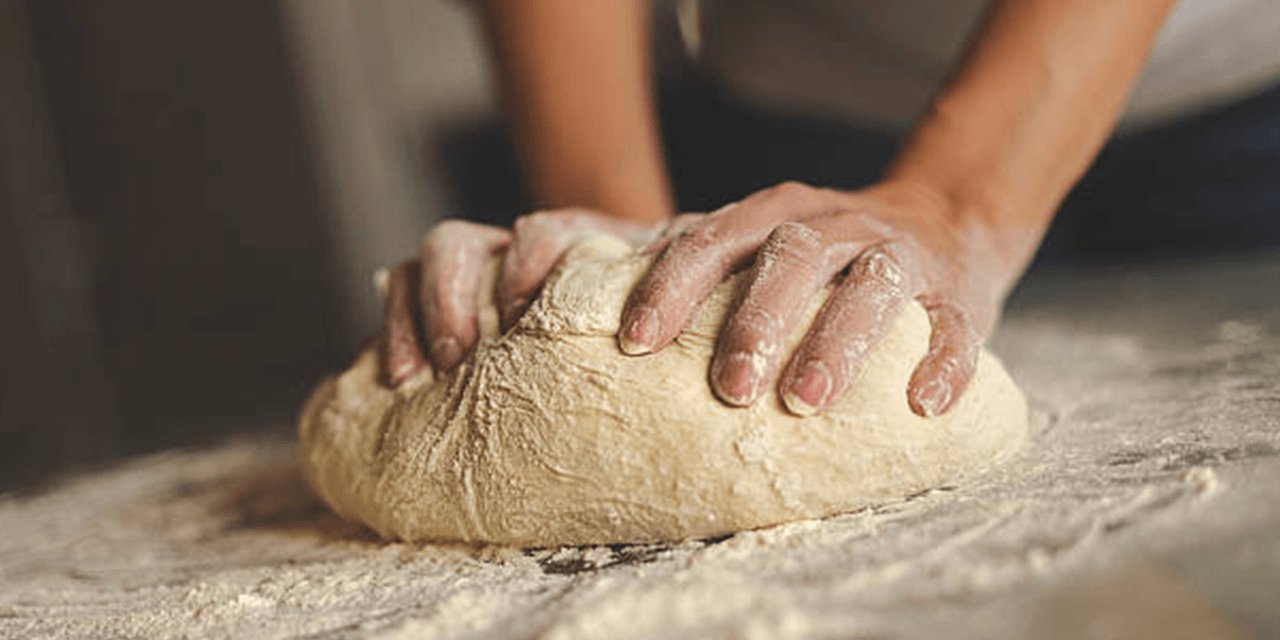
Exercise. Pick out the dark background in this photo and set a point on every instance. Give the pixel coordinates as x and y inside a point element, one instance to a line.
<point>166,271</point>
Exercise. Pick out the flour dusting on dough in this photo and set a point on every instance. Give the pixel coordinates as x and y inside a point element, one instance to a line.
<point>549,435</point>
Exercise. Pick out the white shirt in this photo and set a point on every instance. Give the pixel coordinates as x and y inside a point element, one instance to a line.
<point>877,62</point>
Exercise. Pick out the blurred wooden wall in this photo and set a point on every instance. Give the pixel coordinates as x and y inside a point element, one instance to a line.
<point>193,197</point>
<point>55,402</point>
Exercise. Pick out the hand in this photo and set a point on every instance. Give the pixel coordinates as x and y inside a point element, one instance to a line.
<point>893,242</point>
<point>439,289</point>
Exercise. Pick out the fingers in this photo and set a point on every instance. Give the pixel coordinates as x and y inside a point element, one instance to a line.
<point>855,318</point>
<point>945,371</point>
<point>453,257</point>
<point>665,299</point>
<point>794,263</point>
<point>402,352</point>
<point>537,242</point>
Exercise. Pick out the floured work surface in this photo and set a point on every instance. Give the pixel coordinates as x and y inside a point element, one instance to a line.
<point>1145,506</point>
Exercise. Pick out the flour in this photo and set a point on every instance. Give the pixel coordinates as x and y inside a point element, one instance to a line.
<point>1154,461</point>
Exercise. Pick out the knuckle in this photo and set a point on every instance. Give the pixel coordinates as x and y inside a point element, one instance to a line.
<point>531,227</point>
<point>541,218</point>
<point>881,264</point>
<point>788,189</point>
<point>876,226</point>
<point>945,316</point>
<point>686,219</point>
<point>706,218</point>
<point>793,244</point>
<point>695,238</point>
<point>793,234</point>
<point>567,213</point>
<point>523,225</point>
<point>445,230</point>
<point>461,235</point>
<point>517,256</point>
<point>755,328</point>
<point>556,221</point>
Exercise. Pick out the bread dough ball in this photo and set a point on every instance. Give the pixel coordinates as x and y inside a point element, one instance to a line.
<point>549,435</point>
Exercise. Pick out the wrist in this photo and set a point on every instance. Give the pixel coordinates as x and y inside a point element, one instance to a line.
<point>971,182</point>
<point>619,189</point>
<point>973,227</point>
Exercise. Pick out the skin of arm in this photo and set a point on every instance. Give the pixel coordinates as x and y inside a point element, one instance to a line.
<point>576,85</point>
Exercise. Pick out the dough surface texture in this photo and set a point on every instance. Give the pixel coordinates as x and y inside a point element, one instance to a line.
<point>549,435</point>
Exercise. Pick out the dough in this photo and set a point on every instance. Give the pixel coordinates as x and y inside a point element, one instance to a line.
<point>549,435</point>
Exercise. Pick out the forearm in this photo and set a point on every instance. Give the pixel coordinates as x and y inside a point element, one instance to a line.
<point>1026,111</point>
<point>576,83</point>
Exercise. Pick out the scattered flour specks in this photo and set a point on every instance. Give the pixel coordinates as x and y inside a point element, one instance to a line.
<point>1150,439</point>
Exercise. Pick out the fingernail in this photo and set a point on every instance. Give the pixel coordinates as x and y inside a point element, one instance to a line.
<point>641,333</point>
<point>445,353</point>
<point>932,397</point>
<point>809,391</point>
<point>737,377</point>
